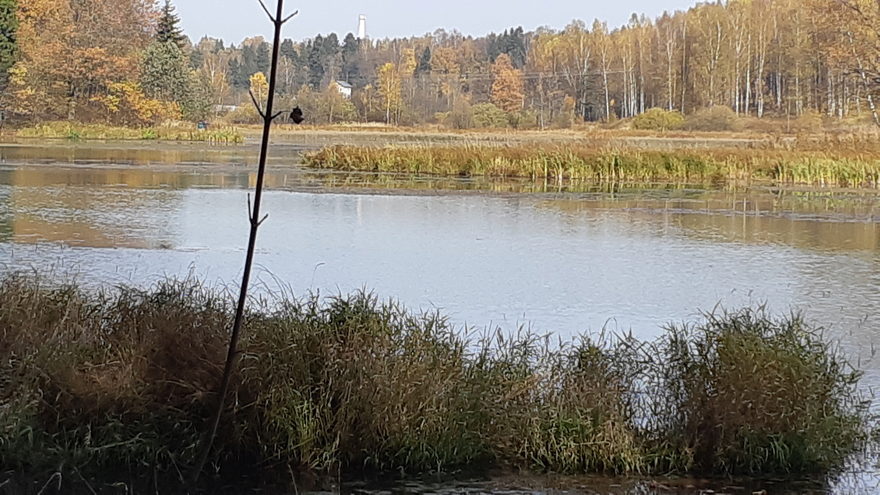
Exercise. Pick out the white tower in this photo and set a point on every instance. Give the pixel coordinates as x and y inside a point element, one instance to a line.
<point>362,27</point>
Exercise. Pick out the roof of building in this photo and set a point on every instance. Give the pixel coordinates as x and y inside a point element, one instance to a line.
<point>343,84</point>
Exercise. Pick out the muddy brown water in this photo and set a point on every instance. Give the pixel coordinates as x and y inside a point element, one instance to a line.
<point>561,259</point>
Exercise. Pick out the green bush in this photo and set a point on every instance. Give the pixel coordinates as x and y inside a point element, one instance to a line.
<point>714,119</point>
<point>487,115</point>
<point>658,119</point>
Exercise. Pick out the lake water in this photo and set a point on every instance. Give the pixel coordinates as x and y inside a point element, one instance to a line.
<point>555,259</point>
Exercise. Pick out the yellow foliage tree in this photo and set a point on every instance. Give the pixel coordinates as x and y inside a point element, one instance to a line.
<point>507,87</point>
<point>259,86</point>
<point>389,90</point>
<point>126,104</point>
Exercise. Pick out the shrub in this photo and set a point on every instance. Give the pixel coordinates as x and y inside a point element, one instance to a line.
<point>658,119</point>
<point>718,118</point>
<point>487,115</point>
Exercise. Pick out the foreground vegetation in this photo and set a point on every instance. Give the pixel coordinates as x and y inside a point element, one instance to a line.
<point>100,385</point>
<point>581,162</point>
<point>77,131</point>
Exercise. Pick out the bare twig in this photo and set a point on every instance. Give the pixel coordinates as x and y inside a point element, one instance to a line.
<point>253,214</point>
<point>291,16</point>
<point>266,10</point>
<point>257,104</point>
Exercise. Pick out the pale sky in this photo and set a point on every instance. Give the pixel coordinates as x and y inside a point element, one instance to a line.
<point>234,20</point>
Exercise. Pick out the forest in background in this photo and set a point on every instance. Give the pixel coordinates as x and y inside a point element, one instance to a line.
<point>126,62</point>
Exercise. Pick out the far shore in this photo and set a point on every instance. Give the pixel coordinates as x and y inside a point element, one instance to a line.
<point>318,136</point>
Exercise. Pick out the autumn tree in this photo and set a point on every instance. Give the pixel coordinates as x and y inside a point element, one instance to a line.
<point>213,70</point>
<point>390,90</point>
<point>259,86</point>
<point>852,32</point>
<point>602,43</point>
<point>126,104</point>
<point>445,66</point>
<point>507,86</point>
<point>70,51</point>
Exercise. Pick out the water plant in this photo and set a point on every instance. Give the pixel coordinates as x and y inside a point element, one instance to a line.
<point>83,132</point>
<point>607,164</point>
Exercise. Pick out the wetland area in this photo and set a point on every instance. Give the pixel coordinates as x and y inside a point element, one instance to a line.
<point>556,258</point>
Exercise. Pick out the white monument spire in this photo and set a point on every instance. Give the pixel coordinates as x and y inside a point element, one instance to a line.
<point>362,27</point>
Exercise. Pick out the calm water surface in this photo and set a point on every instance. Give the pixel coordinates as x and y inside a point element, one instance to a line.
<point>563,260</point>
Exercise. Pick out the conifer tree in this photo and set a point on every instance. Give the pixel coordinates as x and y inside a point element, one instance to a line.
<point>169,26</point>
<point>8,46</point>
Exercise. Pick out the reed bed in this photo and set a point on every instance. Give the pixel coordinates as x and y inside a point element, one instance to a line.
<point>602,164</point>
<point>78,132</point>
<point>114,384</point>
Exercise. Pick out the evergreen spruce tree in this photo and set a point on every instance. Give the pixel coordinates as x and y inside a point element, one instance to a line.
<point>315,63</point>
<point>262,58</point>
<point>8,45</point>
<point>350,60</point>
<point>169,27</point>
<point>424,66</point>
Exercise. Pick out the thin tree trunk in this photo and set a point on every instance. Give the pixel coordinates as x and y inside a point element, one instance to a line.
<point>864,77</point>
<point>255,222</point>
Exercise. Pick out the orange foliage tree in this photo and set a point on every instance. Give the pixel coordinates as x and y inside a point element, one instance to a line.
<point>71,50</point>
<point>507,87</point>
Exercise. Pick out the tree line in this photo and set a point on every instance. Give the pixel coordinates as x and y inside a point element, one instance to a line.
<point>126,61</point>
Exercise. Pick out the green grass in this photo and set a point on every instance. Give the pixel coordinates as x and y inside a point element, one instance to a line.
<point>106,385</point>
<point>603,164</point>
<point>77,132</point>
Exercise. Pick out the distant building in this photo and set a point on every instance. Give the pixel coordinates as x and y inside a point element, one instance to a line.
<point>344,88</point>
<point>225,108</point>
<point>362,27</point>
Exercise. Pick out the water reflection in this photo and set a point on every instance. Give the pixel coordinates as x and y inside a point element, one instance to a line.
<point>136,153</point>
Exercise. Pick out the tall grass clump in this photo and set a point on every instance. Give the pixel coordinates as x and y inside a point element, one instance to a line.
<point>110,385</point>
<point>99,383</point>
<point>571,408</point>
<point>745,393</point>
<point>583,163</point>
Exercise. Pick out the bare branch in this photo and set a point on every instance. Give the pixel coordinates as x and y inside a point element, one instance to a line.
<point>291,16</point>
<point>266,217</point>
<point>278,114</point>
<point>257,104</point>
<point>266,10</point>
<point>250,209</point>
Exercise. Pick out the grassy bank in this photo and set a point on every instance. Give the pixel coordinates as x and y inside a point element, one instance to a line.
<point>109,385</point>
<point>76,132</point>
<point>610,165</point>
